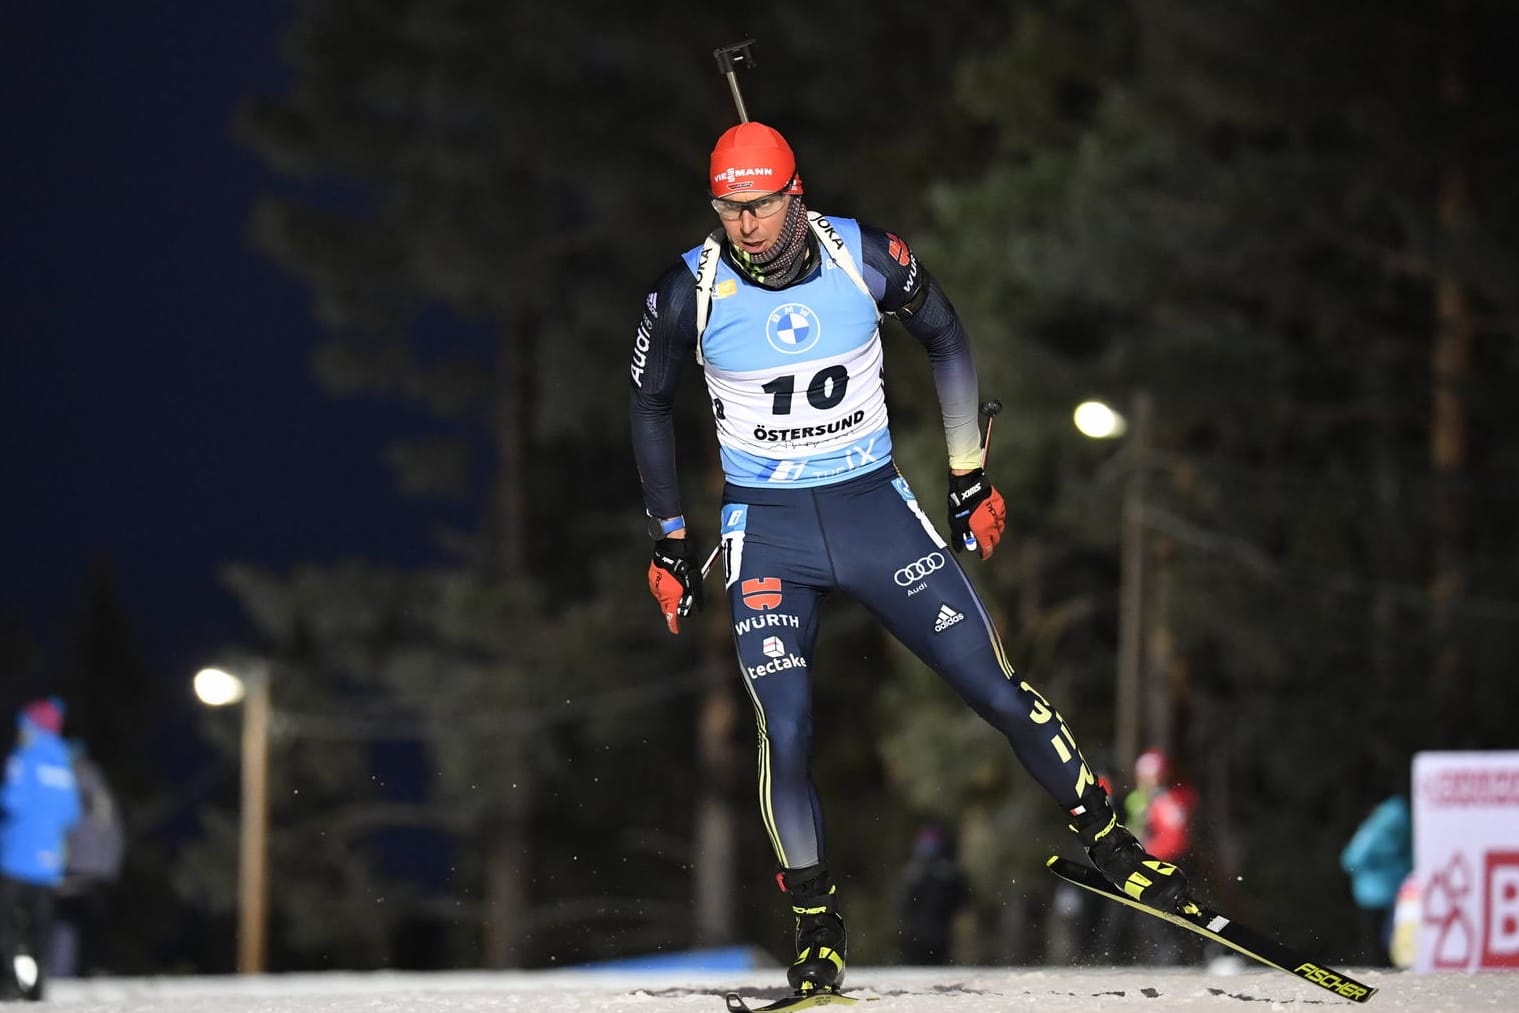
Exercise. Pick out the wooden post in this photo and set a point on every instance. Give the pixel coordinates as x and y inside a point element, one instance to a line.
<point>253,843</point>
<point>1131,622</point>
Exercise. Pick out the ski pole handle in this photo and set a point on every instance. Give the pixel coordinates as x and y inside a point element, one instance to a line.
<point>991,409</point>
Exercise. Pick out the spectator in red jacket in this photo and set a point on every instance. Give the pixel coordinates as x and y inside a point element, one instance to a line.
<point>1166,816</point>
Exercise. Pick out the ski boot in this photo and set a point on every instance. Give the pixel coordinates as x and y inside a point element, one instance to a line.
<point>820,943</point>
<point>1119,857</point>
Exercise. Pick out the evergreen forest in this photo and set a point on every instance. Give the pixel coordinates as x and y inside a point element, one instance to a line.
<point>1280,237</point>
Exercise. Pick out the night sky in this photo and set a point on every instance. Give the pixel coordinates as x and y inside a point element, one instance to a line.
<point>159,410</point>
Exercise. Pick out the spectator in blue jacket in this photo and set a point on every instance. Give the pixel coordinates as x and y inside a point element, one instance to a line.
<point>1378,858</point>
<point>39,802</point>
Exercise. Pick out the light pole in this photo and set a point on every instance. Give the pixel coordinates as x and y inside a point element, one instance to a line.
<point>218,688</point>
<point>1098,421</point>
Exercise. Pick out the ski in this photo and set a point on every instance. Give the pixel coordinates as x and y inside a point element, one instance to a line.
<point>798,1001</point>
<point>1211,925</point>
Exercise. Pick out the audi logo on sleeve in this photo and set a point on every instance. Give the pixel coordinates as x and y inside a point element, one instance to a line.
<point>918,569</point>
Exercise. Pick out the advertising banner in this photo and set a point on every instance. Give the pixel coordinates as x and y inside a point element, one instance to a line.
<point>1466,860</point>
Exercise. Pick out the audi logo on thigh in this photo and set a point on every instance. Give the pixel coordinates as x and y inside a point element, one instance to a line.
<point>918,569</point>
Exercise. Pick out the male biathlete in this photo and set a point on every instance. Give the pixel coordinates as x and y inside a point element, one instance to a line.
<point>781,309</point>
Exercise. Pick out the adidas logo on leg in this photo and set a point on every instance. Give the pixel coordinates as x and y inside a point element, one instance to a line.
<point>946,618</point>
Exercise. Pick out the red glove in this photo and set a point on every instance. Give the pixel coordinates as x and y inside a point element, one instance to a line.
<point>977,514</point>
<point>673,581</point>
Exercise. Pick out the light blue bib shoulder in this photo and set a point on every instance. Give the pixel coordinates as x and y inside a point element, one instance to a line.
<point>795,375</point>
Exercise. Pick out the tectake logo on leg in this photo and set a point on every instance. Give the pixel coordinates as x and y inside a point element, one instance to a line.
<point>774,648</point>
<point>780,664</point>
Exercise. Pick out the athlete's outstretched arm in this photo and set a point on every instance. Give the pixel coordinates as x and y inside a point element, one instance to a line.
<point>909,293</point>
<point>666,338</point>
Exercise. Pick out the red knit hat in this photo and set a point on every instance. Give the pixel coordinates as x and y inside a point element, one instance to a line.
<point>753,157</point>
<point>45,714</point>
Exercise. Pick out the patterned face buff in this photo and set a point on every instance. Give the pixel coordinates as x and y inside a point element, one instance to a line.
<point>782,264</point>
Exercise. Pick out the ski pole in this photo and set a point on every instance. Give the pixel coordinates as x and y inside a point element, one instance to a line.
<point>990,409</point>
<point>711,558</point>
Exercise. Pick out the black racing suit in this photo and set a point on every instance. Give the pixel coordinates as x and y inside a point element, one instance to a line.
<point>790,535</point>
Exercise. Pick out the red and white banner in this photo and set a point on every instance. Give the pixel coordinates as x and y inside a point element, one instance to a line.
<point>1466,860</point>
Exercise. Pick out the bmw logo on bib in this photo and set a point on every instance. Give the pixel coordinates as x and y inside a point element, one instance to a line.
<point>793,328</point>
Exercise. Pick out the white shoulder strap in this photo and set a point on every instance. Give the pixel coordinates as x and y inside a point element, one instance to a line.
<point>706,279</point>
<point>830,240</point>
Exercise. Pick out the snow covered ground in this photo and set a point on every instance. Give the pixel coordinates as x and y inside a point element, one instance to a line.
<point>901,990</point>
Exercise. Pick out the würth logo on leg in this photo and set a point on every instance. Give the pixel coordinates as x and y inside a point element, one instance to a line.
<point>760,593</point>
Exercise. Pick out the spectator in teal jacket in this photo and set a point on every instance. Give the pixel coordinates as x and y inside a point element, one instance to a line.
<point>39,802</point>
<point>1378,858</point>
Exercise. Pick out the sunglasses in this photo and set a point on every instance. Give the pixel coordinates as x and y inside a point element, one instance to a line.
<point>760,207</point>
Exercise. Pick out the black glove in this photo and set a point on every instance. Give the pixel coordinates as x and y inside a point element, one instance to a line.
<point>674,581</point>
<point>977,514</point>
